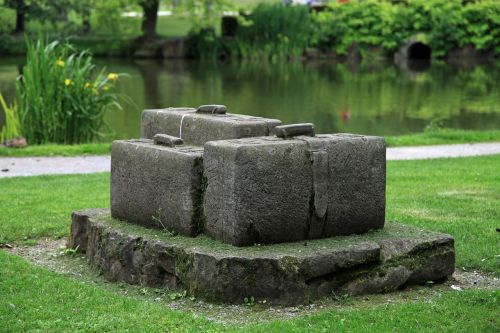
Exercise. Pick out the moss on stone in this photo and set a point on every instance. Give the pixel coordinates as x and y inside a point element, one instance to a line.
<point>282,273</point>
<point>203,243</point>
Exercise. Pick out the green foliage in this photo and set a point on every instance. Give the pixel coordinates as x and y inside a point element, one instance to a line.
<point>107,17</point>
<point>274,31</point>
<point>7,20</point>
<point>61,99</point>
<point>204,14</point>
<point>483,25</point>
<point>442,24</point>
<point>204,44</point>
<point>12,127</point>
<point>441,21</point>
<point>205,18</point>
<point>368,23</point>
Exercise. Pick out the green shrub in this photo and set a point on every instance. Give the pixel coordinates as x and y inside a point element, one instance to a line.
<point>368,23</point>
<point>7,20</point>
<point>60,96</point>
<point>483,25</point>
<point>442,24</point>
<point>204,44</point>
<point>274,31</point>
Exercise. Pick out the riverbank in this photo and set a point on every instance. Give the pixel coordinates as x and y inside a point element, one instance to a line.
<point>436,137</point>
<point>343,31</point>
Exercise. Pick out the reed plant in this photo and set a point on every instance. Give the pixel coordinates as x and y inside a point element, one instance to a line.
<point>12,126</point>
<point>62,97</point>
<point>274,31</point>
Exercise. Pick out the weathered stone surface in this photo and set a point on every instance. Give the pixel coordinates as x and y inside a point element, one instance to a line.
<point>157,186</point>
<point>79,232</point>
<point>356,182</point>
<point>258,190</point>
<point>270,190</point>
<point>289,131</point>
<point>290,273</point>
<point>212,109</point>
<point>198,127</point>
<point>167,140</point>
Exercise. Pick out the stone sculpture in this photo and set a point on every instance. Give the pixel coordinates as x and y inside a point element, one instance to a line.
<point>285,218</point>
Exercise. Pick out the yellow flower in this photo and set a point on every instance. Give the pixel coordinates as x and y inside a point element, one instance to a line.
<point>88,85</point>
<point>60,63</point>
<point>106,88</point>
<point>68,82</point>
<point>112,76</point>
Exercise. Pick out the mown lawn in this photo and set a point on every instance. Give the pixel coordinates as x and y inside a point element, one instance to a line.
<point>441,136</point>
<point>457,196</point>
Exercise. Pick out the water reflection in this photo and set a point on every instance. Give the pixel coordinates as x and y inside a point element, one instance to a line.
<point>377,98</point>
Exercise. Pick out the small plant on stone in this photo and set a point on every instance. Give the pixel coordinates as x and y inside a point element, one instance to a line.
<point>158,218</point>
<point>344,299</point>
<point>178,295</point>
<point>67,251</point>
<point>249,301</point>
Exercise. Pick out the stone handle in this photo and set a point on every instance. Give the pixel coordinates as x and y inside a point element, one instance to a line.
<point>213,109</point>
<point>288,131</point>
<point>167,140</point>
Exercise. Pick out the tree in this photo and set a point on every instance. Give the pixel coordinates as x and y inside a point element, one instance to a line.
<point>43,10</point>
<point>150,10</point>
<point>84,9</point>
<point>21,7</point>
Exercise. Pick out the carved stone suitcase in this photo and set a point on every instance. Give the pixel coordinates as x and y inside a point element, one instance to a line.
<point>293,187</point>
<point>207,123</point>
<point>158,184</point>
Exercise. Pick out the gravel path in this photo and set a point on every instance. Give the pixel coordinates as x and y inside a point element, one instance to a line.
<point>33,166</point>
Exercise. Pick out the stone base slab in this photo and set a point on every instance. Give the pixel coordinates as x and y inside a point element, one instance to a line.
<point>287,273</point>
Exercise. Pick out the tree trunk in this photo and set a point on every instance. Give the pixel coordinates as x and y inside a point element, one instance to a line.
<point>86,25</point>
<point>20,17</point>
<point>150,8</point>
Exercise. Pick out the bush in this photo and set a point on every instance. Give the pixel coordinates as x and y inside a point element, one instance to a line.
<point>60,96</point>
<point>442,24</point>
<point>369,23</point>
<point>483,25</point>
<point>7,20</point>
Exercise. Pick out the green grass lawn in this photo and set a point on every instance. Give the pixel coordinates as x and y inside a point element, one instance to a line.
<point>166,26</point>
<point>58,150</point>
<point>35,299</point>
<point>442,136</point>
<point>457,196</point>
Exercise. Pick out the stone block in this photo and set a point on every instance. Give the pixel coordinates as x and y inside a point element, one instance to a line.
<point>271,190</point>
<point>355,186</point>
<point>290,273</point>
<point>157,185</point>
<point>196,128</point>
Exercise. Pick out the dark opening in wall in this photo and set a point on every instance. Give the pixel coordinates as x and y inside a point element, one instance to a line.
<point>419,51</point>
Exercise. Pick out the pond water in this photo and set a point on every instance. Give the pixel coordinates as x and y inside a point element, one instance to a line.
<point>379,99</point>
